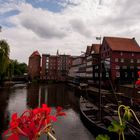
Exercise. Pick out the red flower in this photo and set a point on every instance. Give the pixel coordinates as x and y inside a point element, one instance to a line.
<point>59,111</point>
<point>15,121</point>
<point>137,83</point>
<point>13,137</point>
<point>46,109</point>
<point>32,122</point>
<point>139,73</point>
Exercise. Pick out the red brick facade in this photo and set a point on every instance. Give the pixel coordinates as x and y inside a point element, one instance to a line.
<point>34,65</point>
<point>122,56</point>
<point>55,67</point>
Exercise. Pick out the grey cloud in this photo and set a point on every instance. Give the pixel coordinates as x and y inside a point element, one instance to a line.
<point>43,30</point>
<point>80,27</point>
<point>124,16</point>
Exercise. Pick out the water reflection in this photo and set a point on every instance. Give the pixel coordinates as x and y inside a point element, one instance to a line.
<point>4,114</point>
<point>53,95</point>
<point>32,95</point>
<point>17,99</point>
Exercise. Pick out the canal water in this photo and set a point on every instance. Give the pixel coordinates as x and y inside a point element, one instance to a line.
<point>21,97</point>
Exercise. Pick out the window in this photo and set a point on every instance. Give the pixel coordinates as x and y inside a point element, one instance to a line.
<point>96,67</point>
<point>117,74</point>
<point>47,66</point>
<point>132,74</point>
<point>131,67</point>
<point>121,53</point>
<point>131,60</point>
<point>138,60</point>
<point>124,67</point>
<point>107,74</point>
<point>89,69</point>
<point>116,60</point>
<point>122,60</point>
<point>89,75</point>
<point>89,57</point>
<point>126,74</point>
<point>89,63</point>
<point>117,67</point>
<point>132,54</point>
<point>138,67</point>
<point>96,74</point>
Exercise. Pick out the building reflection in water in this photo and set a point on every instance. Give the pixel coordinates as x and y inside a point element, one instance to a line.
<point>32,95</point>
<point>53,95</point>
<point>57,96</point>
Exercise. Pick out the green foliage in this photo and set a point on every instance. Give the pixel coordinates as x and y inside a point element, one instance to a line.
<point>102,137</point>
<point>116,127</point>
<point>4,58</point>
<point>127,114</point>
<point>119,127</point>
<point>16,69</point>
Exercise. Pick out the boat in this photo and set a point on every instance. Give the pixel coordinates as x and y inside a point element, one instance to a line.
<point>90,115</point>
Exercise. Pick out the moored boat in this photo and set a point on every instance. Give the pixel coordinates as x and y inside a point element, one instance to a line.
<point>90,115</point>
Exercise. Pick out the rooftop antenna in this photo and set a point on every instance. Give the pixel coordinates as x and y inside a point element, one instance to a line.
<point>0,29</point>
<point>57,52</point>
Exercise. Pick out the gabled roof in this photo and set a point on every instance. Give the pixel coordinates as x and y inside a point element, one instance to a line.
<point>88,50</point>
<point>122,44</point>
<point>35,53</point>
<point>95,48</point>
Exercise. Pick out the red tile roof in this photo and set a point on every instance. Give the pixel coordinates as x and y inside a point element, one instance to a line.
<point>95,48</point>
<point>35,53</point>
<point>122,44</point>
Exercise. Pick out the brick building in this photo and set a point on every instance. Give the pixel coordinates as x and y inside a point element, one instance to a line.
<point>34,65</point>
<point>55,67</point>
<point>52,67</point>
<point>121,58</point>
<point>45,66</point>
<point>64,64</point>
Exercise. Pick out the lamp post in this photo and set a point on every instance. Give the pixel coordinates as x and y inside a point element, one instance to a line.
<point>100,74</point>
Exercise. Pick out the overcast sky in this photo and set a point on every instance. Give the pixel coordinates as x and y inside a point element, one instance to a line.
<point>65,25</point>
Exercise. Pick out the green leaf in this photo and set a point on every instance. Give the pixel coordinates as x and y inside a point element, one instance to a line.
<point>102,137</point>
<point>127,114</point>
<point>116,127</point>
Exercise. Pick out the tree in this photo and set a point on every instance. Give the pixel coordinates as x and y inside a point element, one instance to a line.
<point>16,69</point>
<point>4,58</point>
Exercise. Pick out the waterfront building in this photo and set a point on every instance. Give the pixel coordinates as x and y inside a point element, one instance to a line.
<point>77,70</point>
<point>64,64</point>
<point>92,63</point>
<point>34,65</point>
<point>55,67</point>
<point>45,66</point>
<point>121,57</point>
